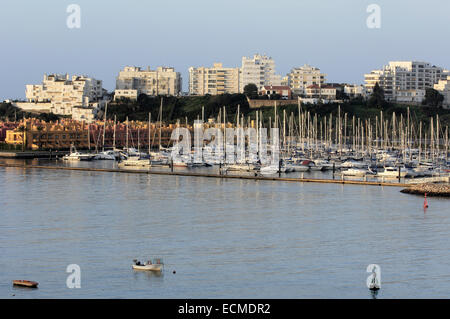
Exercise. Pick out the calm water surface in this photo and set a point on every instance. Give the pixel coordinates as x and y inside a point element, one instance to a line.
<point>224,238</point>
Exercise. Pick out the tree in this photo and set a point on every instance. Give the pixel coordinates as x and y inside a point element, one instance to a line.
<point>251,90</point>
<point>433,98</point>
<point>377,97</point>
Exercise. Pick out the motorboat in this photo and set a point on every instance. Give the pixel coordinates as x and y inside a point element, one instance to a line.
<point>74,155</point>
<point>393,172</point>
<point>135,161</point>
<point>297,167</point>
<point>357,172</point>
<point>241,167</point>
<point>353,164</point>
<point>148,266</point>
<point>25,283</point>
<point>271,169</point>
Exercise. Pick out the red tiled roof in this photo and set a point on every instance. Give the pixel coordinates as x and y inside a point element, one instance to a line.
<point>316,86</point>
<point>276,87</point>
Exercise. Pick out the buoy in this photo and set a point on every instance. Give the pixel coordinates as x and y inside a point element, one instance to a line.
<point>425,202</point>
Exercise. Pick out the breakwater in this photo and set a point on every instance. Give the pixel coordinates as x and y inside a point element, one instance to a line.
<point>209,175</point>
<point>429,189</point>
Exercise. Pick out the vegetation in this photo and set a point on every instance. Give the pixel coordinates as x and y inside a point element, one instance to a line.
<point>433,98</point>
<point>9,112</point>
<point>190,108</point>
<point>251,90</point>
<point>377,97</point>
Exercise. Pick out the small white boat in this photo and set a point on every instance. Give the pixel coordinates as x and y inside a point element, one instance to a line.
<point>272,170</point>
<point>241,167</point>
<point>393,172</point>
<point>77,156</point>
<point>135,161</point>
<point>297,167</point>
<point>148,266</point>
<point>357,172</point>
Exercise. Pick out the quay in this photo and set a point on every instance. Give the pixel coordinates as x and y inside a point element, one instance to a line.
<point>32,154</point>
<point>193,174</point>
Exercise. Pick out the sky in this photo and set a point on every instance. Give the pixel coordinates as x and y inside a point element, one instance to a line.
<point>330,34</point>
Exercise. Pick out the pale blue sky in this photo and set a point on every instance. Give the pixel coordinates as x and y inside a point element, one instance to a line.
<point>329,34</point>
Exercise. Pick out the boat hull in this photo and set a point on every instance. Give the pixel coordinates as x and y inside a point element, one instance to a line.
<point>152,267</point>
<point>25,283</point>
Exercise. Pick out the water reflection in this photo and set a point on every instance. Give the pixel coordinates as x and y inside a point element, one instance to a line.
<point>374,294</point>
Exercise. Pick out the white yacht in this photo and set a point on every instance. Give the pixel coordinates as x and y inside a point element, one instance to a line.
<point>357,172</point>
<point>74,155</point>
<point>393,172</point>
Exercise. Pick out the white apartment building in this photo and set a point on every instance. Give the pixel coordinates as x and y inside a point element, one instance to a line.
<point>259,70</point>
<point>316,91</point>
<point>415,96</point>
<point>63,93</point>
<point>355,90</point>
<point>300,78</point>
<point>400,78</point>
<point>84,113</point>
<point>133,81</point>
<point>216,80</point>
<point>443,87</point>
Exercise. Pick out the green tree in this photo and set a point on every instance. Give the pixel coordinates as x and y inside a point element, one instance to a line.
<point>251,90</point>
<point>433,98</point>
<point>377,97</point>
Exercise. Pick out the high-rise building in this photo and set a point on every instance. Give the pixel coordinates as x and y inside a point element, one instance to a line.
<point>216,80</point>
<point>405,78</point>
<point>300,78</point>
<point>443,87</point>
<point>64,93</point>
<point>133,81</point>
<point>259,70</point>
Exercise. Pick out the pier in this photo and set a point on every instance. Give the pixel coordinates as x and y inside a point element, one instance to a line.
<point>193,174</point>
<point>32,154</point>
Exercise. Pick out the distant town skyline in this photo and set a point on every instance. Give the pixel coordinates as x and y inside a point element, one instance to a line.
<point>330,35</point>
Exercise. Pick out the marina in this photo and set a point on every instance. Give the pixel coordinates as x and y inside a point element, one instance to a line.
<point>224,236</point>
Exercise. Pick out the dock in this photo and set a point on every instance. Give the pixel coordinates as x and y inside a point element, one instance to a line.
<point>209,175</point>
<point>32,154</point>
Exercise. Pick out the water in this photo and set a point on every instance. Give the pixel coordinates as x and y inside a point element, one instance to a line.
<point>224,238</point>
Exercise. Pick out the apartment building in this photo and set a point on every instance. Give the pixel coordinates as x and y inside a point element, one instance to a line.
<point>64,93</point>
<point>399,79</point>
<point>41,135</point>
<point>443,87</point>
<point>325,92</point>
<point>302,77</point>
<point>354,90</point>
<point>133,81</point>
<point>259,70</point>
<point>214,81</point>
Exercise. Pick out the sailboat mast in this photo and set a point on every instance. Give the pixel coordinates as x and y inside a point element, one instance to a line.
<point>104,126</point>
<point>160,122</point>
<point>114,134</point>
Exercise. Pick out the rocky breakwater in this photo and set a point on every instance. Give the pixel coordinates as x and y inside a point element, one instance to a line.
<point>429,188</point>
